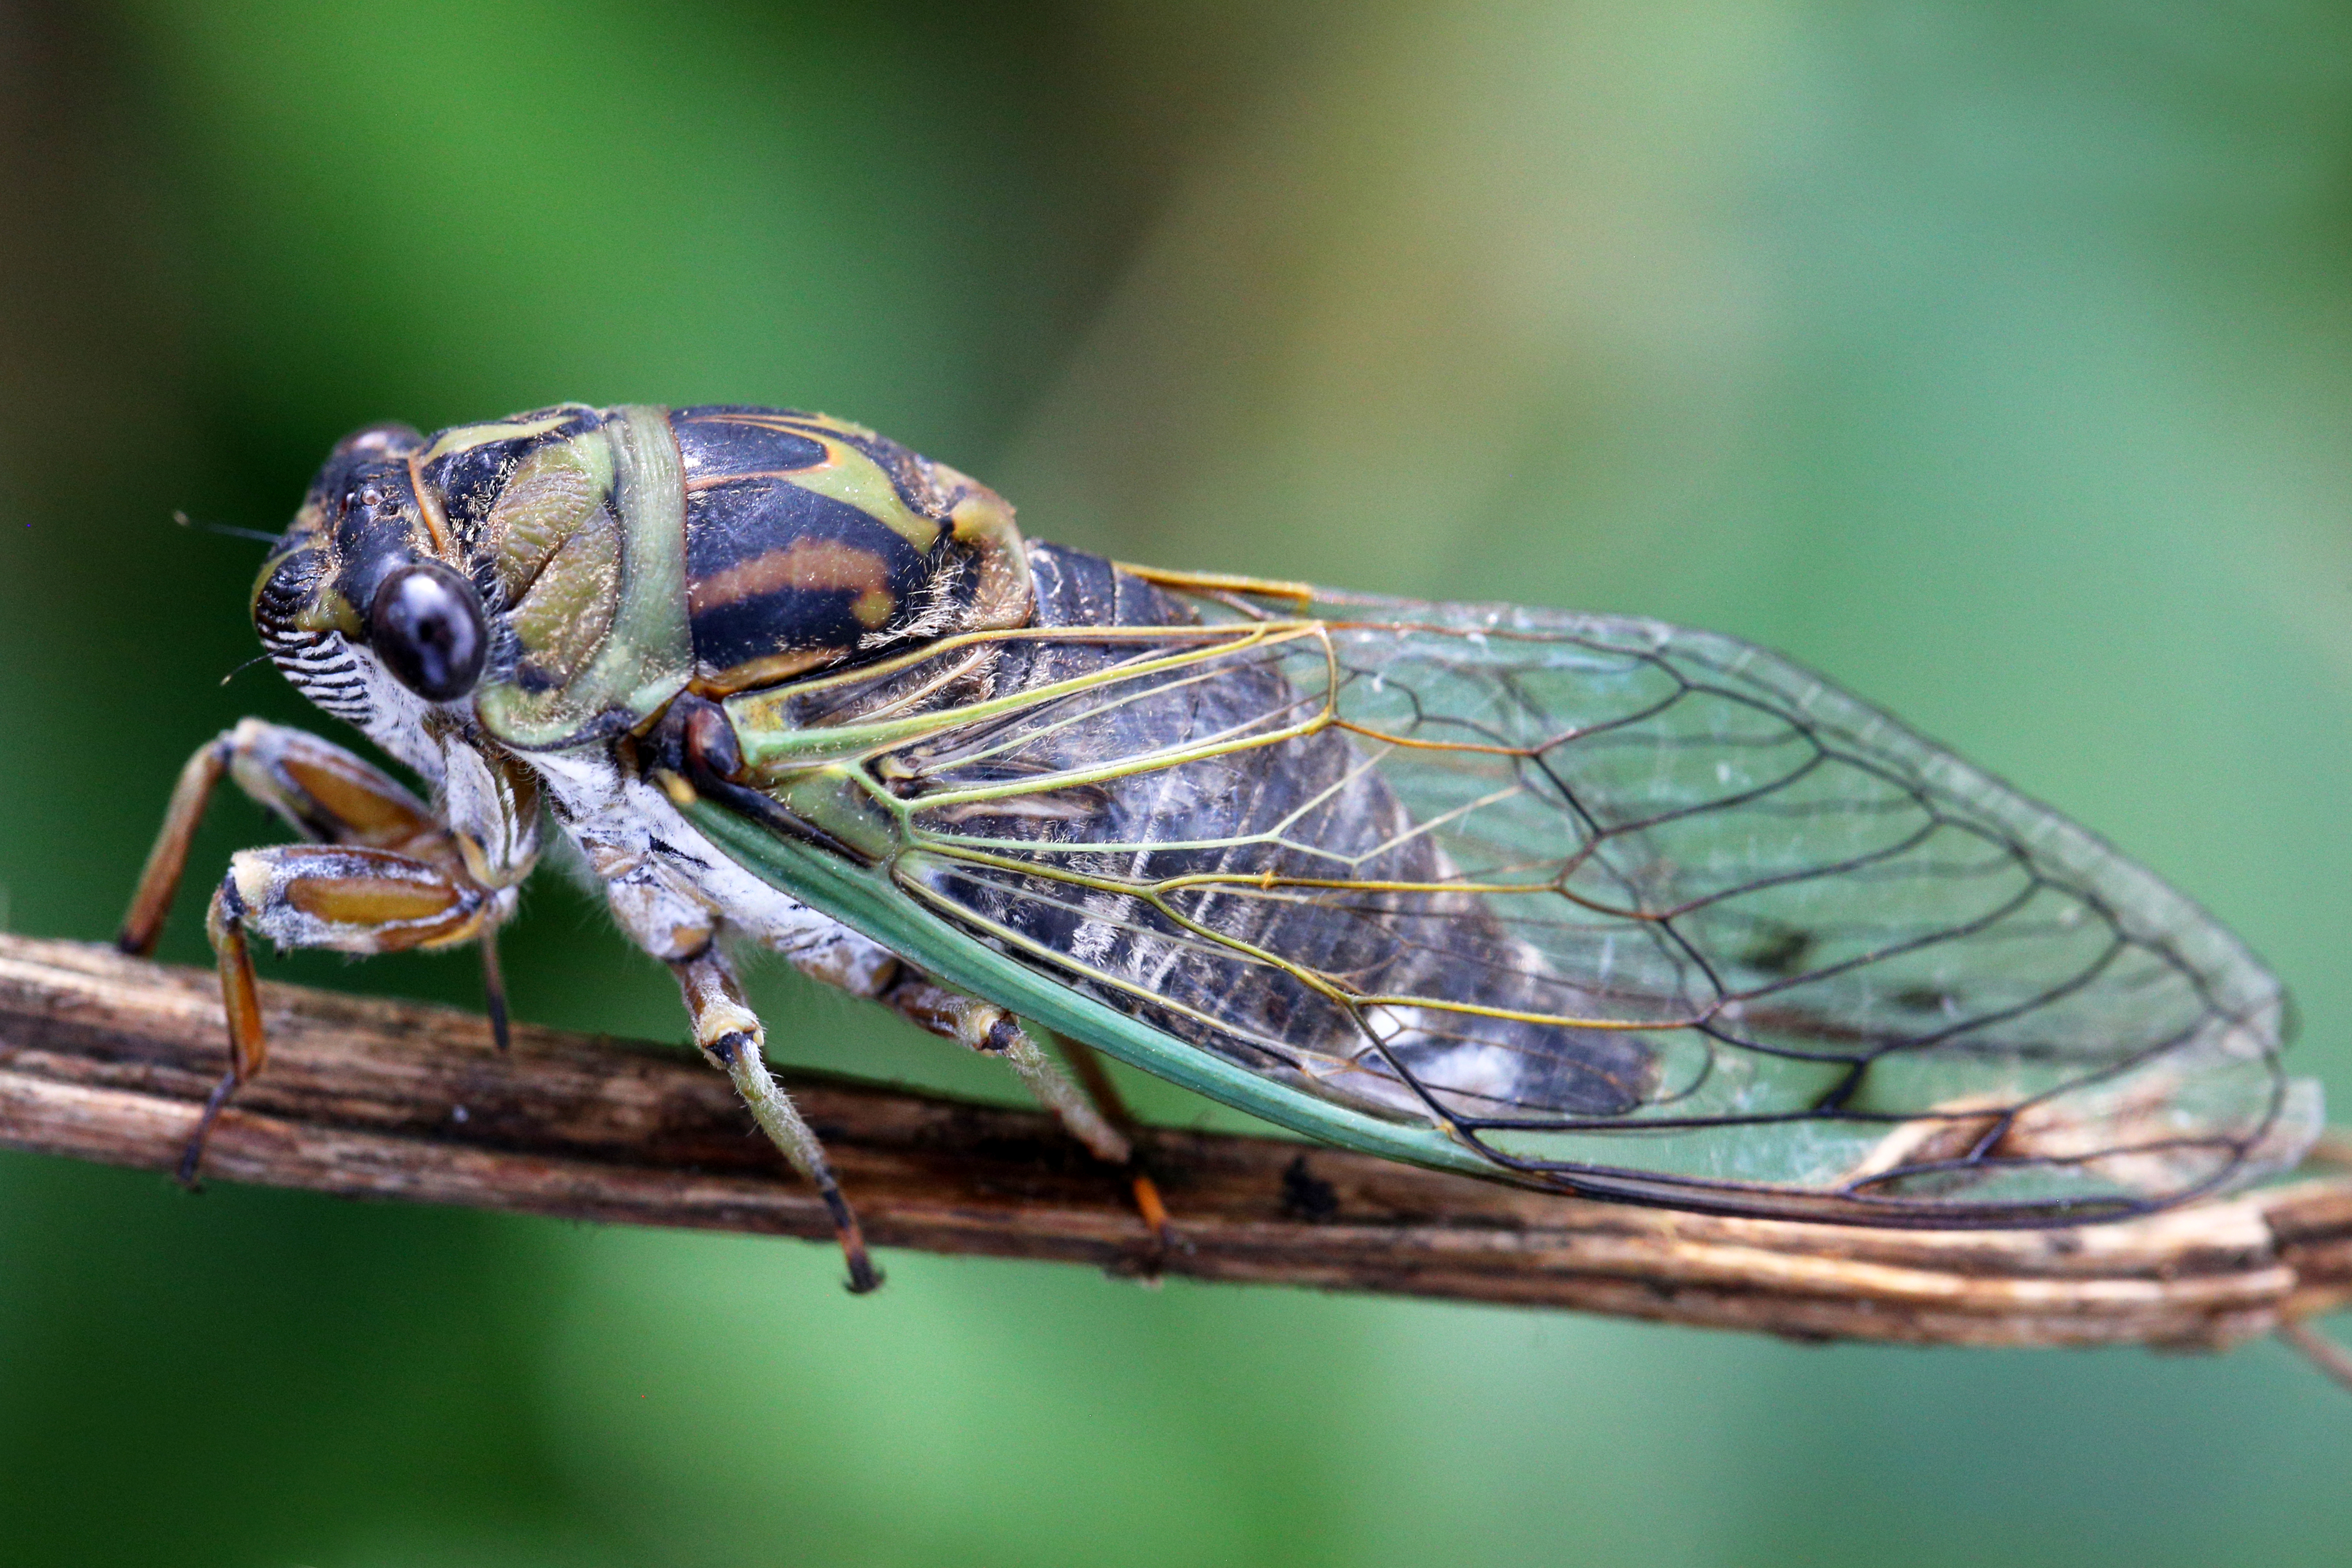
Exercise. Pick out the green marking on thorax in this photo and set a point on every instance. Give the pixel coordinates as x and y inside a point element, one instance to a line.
<point>462,437</point>
<point>855,480</point>
<point>649,655</point>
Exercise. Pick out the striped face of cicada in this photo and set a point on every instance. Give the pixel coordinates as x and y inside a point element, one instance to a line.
<point>360,608</point>
<point>559,577</point>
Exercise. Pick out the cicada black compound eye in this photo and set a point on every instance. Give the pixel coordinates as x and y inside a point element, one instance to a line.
<point>426,625</point>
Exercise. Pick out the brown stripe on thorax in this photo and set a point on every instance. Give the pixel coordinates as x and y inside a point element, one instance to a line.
<point>807,564</point>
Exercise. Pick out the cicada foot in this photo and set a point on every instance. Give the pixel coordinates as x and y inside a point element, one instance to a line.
<point>241,1001</point>
<point>1154,1214</point>
<point>729,1034</point>
<point>353,900</point>
<point>1086,1066</point>
<point>494,988</point>
<point>1087,1104</point>
<point>738,1053</point>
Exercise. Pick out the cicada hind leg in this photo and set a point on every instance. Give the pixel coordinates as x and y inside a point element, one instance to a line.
<point>1084,1100</point>
<point>383,876</point>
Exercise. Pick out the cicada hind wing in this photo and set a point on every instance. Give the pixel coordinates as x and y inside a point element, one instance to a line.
<point>1646,913</point>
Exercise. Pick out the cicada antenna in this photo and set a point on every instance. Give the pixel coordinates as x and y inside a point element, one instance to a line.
<point>229,530</point>
<point>232,532</point>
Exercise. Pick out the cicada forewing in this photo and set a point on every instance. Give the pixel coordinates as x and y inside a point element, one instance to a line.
<point>1644,912</point>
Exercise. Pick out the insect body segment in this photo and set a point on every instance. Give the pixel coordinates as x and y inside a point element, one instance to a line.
<point>1576,900</point>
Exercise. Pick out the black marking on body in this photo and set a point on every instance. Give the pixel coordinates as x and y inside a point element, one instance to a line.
<point>471,479</point>
<point>672,853</point>
<point>726,441</point>
<point>772,568</point>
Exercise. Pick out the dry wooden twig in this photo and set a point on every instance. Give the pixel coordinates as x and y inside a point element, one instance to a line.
<point>105,1057</point>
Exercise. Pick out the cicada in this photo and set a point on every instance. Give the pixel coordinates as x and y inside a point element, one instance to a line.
<point>1580,901</point>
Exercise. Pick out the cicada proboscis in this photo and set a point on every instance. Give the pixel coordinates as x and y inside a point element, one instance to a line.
<point>1577,901</point>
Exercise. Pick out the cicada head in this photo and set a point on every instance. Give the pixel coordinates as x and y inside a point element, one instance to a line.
<point>363,603</point>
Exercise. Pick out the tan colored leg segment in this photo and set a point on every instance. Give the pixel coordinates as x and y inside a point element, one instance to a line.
<point>322,791</point>
<point>241,999</point>
<point>159,880</point>
<point>730,1036</point>
<point>319,895</point>
<point>989,1029</point>
<point>1091,1114</point>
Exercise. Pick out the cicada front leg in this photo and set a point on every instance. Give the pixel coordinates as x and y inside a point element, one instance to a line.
<point>386,875</point>
<point>322,791</point>
<point>354,900</point>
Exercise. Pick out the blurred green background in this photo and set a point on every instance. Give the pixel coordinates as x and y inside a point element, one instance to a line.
<point>1993,358</point>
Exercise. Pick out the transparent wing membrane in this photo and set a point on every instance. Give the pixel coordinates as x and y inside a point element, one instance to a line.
<point>1644,911</point>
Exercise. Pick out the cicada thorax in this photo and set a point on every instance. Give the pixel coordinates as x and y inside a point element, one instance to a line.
<point>810,542</point>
